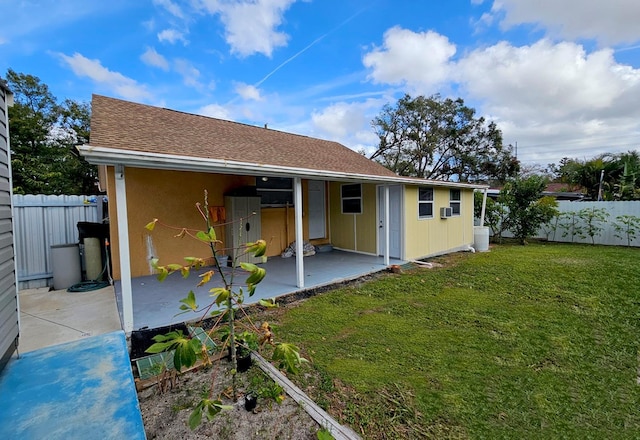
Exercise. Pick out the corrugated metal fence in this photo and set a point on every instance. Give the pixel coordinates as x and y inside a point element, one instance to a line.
<point>608,235</point>
<point>43,221</point>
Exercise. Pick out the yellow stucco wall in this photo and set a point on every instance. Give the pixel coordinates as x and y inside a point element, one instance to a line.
<point>171,197</point>
<point>424,237</point>
<point>355,232</point>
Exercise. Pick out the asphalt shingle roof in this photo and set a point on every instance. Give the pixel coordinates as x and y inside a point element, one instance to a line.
<point>129,126</point>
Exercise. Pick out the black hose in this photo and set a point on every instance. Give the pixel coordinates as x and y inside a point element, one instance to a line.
<point>87,286</point>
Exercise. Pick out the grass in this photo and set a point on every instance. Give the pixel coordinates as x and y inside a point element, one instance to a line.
<point>537,341</point>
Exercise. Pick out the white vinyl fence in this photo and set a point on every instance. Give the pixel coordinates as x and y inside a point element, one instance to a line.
<point>44,221</point>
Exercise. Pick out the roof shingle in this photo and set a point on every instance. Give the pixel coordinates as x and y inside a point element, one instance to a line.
<point>129,126</point>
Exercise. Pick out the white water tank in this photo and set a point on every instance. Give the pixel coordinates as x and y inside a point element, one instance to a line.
<point>92,258</point>
<point>481,238</point>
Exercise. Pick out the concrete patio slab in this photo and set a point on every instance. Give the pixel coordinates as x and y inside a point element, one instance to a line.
<point>54,317</point>
<point>156,304</point>
<point>78,390</point>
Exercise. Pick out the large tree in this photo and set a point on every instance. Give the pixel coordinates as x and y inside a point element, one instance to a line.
<point>438,138</point>
<point>43,136</point>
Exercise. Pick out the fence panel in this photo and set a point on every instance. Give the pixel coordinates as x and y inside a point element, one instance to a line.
<point>607,236</point>
<point>44,221</point>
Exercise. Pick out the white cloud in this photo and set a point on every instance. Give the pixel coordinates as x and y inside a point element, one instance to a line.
<point>554,96</point>
<point>609,22</point>
<point>121,85</point>
<point>251,25</point>
<point>171,7</point>
<point>558,98</point>
<point>152,58</point>
<point>348,123</point>
<point>215,111</point>
<point>190,75</point>
<point>171,36</point>
<point>248,92</point>
<point>419,60</point>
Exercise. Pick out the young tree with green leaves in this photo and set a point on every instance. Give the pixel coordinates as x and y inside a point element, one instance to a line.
<point>437,138</point>
<point>528,210</point>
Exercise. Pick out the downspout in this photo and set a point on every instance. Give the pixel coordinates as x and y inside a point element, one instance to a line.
<point>484,206</point>
<point>297,205</point>
<point>123,242</point>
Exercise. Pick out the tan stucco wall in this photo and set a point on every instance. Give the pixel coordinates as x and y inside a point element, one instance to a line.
<point>424,237</point>
<point>355,232</point>
<point>171,197</point>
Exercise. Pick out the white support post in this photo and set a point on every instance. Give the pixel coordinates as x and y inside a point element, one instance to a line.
<point>123,244</point>
<point>386,225</point>
<point>297,193</point>
<point>484,206</point>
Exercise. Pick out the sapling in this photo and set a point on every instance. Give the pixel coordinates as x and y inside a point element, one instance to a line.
<point>227,297</point>
<point>627,227</point>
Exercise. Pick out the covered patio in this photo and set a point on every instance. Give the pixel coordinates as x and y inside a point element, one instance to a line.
<point>155,303</point>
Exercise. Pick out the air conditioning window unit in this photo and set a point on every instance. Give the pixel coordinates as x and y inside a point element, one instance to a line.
<point>445,212</point>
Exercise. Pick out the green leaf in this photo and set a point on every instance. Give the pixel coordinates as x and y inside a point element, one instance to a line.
<point>159,347</point>
<point>268,303</point>
<point>189,302</point>
<point>194,262</point>
<point>162,273</point>
<point>288,357</point>
<point>208,237</point>
<point>186,349</point>
<point>196,416</point>
<point>220,294</point>
<point>324,434</point>
<point>257,273</point>
<point>258,248</point>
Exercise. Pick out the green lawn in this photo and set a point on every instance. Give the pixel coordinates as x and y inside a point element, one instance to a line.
<point>537,341</point>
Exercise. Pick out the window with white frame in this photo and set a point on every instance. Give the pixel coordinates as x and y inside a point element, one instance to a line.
<point>351,196</point>
<point>454,201</point>
<point>425,202</point>
<point>275,191</point>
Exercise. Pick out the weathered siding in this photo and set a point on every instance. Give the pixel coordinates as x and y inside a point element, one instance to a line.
<point>9,325</point>
<point>433,236</point>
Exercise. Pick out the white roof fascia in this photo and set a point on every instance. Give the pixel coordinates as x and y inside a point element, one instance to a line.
<point>140,159</point>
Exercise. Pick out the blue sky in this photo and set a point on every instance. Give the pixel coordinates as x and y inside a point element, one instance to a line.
<point>560,78</point>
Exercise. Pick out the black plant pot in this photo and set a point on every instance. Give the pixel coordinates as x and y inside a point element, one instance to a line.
<point>250,401</point>
<point>243,362</point>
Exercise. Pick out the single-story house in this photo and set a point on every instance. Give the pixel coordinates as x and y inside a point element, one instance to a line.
<point>156,163</point>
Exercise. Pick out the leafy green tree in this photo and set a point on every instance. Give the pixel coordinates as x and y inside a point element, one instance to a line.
<point>438,138</point>
<point>43,136</point>
<point>528,210</point>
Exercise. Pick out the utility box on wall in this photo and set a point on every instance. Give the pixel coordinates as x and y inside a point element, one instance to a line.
<point>243,226</point>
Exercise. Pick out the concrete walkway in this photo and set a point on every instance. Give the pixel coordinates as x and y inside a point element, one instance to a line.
<point>78,390</point>
<point>54,317</point>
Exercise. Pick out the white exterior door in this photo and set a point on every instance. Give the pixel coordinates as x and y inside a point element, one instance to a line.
<point>317,214</point>
<point>395,221</point>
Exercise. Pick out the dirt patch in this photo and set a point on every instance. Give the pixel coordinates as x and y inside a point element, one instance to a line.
<point>166,415</point>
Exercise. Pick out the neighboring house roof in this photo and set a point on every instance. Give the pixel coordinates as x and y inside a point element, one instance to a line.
<point>134,134</point>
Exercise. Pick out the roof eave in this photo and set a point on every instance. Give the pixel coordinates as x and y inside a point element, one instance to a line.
<point>139,159</point>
